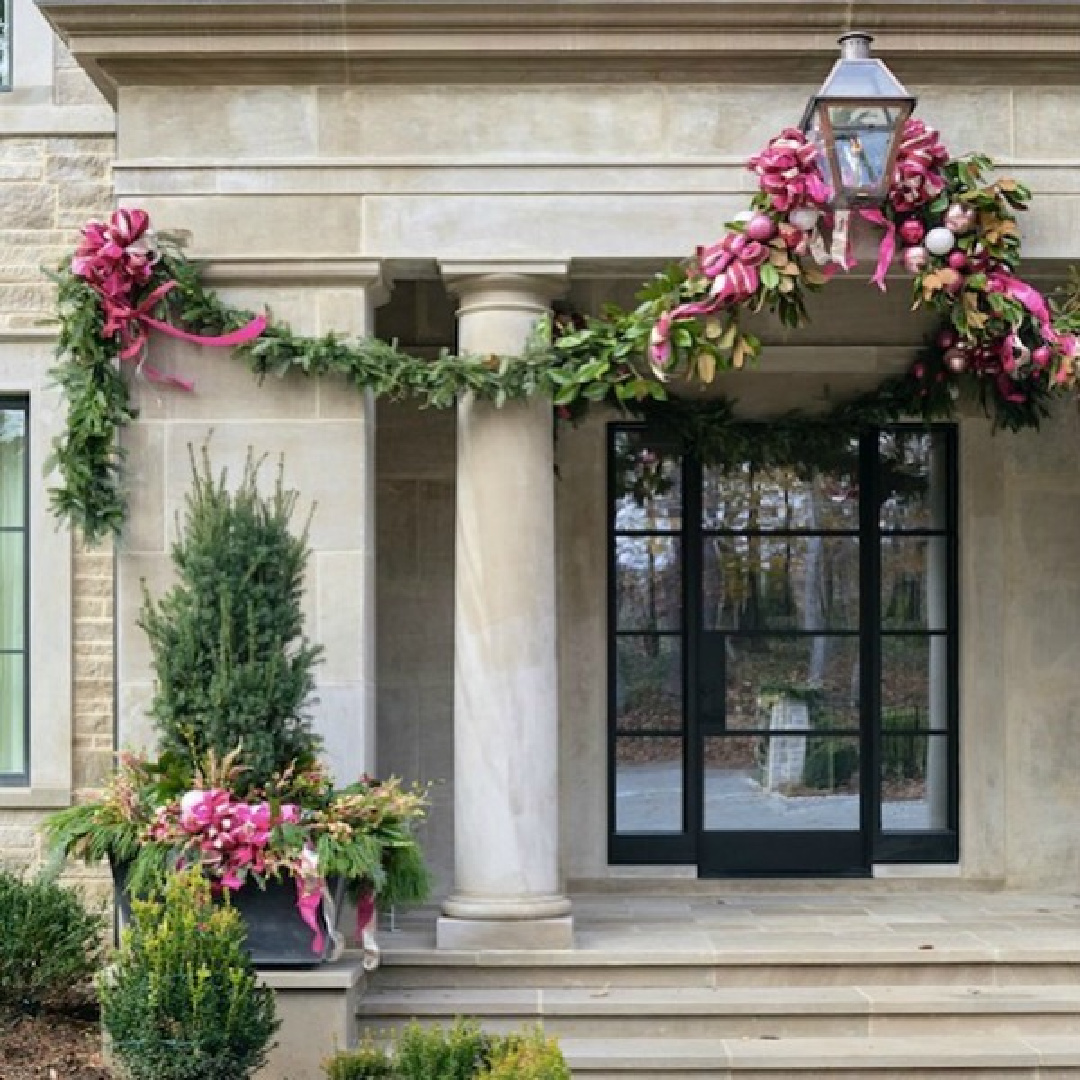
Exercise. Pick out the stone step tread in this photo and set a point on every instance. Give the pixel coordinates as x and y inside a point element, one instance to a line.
<point>742,1001</point>
<point>804,1054</point>
<point>825,949</point>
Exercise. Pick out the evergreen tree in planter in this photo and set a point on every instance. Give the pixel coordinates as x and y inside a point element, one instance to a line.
<point>232,664</point>
<point>238,790</point>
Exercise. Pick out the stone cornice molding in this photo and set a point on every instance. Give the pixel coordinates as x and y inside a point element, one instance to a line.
<point>277,270</point>
<point>203,42</point>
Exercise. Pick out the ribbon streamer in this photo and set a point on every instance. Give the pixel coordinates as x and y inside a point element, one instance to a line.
<point>840,252</point>
<point>365,929</point>
<point>887,250</point>
<point>131,324</point>
<point>117,259</point>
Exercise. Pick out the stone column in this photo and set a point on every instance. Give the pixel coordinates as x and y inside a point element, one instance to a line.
<point>507,888</point>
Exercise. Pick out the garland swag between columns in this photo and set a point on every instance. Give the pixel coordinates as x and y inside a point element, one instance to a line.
<point>1001,341</point>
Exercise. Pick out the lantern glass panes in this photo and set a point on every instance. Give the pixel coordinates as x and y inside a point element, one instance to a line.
<point>856,120</point>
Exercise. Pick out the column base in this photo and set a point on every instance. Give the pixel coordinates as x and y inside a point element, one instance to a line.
<point>467,934</point>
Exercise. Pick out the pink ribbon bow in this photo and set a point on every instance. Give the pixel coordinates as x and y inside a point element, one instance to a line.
<point>1065,345</point>
<point>732,264</point>
<point>117,259</point>
<point>789,173</point>
<point>917,176</point>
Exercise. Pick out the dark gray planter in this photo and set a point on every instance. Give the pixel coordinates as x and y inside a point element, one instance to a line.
<point>276,935</point>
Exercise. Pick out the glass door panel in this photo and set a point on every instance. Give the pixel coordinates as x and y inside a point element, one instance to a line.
<point>780,688</point>
<point>780,782</point>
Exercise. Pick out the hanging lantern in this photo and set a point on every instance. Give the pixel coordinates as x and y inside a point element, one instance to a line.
<point>856,119</point>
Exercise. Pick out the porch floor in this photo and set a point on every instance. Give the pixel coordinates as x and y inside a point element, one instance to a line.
<point>784,920</point>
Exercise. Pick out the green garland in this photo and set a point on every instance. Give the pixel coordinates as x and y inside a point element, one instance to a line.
<point>575,363</point>
<point>599,361</point>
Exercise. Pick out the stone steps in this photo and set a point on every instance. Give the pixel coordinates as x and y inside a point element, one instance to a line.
<point>736,1013</point>
<point>764,985</point>
<point>954,1058</point>
<point>843,962</point>
<point>929,1004</point>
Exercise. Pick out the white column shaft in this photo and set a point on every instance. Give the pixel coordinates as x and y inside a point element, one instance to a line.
<point>505,673</point>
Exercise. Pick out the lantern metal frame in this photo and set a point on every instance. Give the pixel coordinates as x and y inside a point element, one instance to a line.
<point>882,91</point>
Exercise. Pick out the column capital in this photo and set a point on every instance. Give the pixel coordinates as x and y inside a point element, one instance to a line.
<point>333,272</point>
<point>544,278</point>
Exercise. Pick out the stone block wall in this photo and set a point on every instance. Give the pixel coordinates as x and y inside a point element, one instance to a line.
<point>56,154</point>
<point>49,186</point>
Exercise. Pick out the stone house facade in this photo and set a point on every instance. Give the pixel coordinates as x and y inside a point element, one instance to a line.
<point>439,174</point>
<point>56,151</point>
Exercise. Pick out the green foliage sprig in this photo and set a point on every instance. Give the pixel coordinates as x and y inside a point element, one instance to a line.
<point>88,456</point>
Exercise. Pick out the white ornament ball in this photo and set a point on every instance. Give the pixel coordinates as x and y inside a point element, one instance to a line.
<point>805,218</point>
<point>940,241</point>
<point>956,360</point>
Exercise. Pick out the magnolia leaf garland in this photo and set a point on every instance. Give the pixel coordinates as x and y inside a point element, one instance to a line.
<point>955,228</point>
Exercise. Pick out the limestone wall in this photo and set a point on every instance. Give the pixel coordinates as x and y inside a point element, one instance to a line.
<point>56,152</point>
<point>594,171</point>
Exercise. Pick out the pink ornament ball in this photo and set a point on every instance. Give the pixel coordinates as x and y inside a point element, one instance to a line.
<point>916,259</point>
<point>956,360</point>
<point>958,261</point>
<point>960,218</point>
<point>761,227</point>
<point>912,231</point>
<point>1040,357</point>
<point>946,339</point>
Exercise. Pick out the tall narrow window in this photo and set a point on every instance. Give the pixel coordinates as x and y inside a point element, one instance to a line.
<point>647,659</point>
<point>917,620</point>
<point>14,568</point>
<point>5,44</point>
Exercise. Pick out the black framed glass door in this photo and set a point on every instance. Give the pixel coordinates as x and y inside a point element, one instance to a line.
<point>783,652</point>
<point>779,680</point>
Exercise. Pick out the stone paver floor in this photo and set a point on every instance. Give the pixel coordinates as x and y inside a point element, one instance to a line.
<point>878,917</point>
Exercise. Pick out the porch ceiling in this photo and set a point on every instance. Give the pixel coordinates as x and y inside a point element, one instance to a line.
<point>163,42</point>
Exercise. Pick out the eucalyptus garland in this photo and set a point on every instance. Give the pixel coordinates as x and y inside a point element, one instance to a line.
<point>1001,342</point>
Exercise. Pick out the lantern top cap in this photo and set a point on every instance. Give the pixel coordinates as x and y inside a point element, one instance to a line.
<point>855,45</point>
<point>859,76</point>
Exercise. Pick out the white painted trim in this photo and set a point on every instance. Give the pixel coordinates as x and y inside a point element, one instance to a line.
<point>909,871</point>
<point>24,369</point>
<point>31,47</point>
<point>27,119</point>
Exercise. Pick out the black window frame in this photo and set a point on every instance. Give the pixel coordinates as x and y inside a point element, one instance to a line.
<point>881,847</point>
<point>21,403</point>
